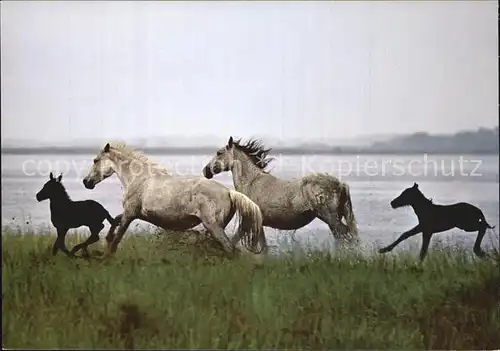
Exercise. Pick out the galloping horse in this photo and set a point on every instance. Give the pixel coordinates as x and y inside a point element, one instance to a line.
<point>439,218</point>
<point>178,203</point>
<point>66,214</point>
<point>286,204</point>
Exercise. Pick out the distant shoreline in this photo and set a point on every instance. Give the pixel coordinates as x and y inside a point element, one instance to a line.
<point>484,141</point>
<point>211,150</point>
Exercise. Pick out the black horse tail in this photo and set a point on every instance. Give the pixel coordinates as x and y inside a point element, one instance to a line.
<point>111,220</point>
<point>486,223</point>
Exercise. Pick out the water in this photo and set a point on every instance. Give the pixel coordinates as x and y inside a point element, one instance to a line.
<point>374,181</point>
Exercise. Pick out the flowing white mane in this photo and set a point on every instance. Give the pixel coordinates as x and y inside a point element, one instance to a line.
<point>130,152</point>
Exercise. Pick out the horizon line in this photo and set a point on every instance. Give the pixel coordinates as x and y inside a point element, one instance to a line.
<point>290,150</point>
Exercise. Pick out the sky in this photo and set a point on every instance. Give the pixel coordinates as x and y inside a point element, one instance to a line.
<point>288,70</point>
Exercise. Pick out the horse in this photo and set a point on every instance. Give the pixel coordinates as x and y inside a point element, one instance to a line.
<point>66,214</point>
<point>286,204</point>
<point>434,218</point>
<point>153,195</point>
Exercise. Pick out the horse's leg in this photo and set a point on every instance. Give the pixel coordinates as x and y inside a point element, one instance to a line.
<point>426,239</point>
<point>111,232</point>
<point>477,245</point>
<point>122,228</point>
<point>338,229</point>
<point>94,237</point>
<point>215,223</point>
<point>403,237</point>
<point>218,233</point>
<point>55,247</point>
<point>60,242</point>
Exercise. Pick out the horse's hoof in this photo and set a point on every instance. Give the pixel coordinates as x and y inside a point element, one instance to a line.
<point>383,250</point>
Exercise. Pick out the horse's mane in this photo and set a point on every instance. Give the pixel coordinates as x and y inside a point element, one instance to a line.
<point>129,151</point>
<point>256,151</point>
<point>63,191</point>
<point>429,200</point>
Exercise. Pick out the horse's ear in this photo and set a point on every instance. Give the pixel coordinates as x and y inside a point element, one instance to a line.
<point>415,185</point>
<point>51,176</point>
<point>230,142</point>
<point>59,178</point>
<point>106,148</point>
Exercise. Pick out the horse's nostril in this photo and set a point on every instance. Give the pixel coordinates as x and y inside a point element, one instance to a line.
<point>207,173</point>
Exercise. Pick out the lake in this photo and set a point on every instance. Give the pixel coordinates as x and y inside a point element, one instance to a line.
<point>374,181</point>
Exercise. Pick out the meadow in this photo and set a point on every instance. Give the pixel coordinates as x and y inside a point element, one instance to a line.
<point>177,291</point>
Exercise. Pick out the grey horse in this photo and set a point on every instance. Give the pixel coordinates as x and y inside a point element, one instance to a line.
<point>171,202</point>
<point>286,204</point>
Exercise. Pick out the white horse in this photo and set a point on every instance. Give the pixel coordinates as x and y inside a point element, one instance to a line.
<point>177,203</point>
<point>286,204</point>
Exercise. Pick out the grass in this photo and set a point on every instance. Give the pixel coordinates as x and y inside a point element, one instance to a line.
<point>166,292</point>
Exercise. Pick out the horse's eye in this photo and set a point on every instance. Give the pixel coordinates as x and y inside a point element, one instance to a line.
<point>219,153</point>
<point>95,161</point>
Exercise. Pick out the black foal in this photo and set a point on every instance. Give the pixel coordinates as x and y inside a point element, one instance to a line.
<point>438,218</point>
<point>66,214</point>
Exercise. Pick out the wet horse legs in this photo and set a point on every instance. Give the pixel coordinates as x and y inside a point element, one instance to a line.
<point>218,233</point>
<point>339,230</point>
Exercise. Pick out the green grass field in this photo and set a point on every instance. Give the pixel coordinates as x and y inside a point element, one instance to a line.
<point>160,293</point>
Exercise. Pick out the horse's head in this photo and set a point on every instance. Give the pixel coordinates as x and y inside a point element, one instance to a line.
<point>407,197</point>
<point>52,187</point>
<point>102,168</point>
<point>221,162</point>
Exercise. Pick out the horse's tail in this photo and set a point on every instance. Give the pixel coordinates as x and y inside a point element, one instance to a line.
<point>111,220</point>
<point>346,205</point>
<point>486,223</point>
<point>250,222</point>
